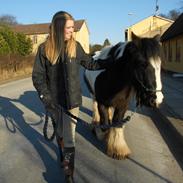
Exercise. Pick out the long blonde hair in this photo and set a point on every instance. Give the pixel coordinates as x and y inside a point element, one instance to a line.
<point>55,45</point>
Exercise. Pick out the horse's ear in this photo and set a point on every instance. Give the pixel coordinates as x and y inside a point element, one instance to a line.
<point>157,37</point>
<point>134,37</point>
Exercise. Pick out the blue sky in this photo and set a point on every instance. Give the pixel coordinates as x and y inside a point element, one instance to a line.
<point>105,18</point>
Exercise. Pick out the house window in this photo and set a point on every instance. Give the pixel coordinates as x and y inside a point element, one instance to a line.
<point>34,39</point>
<point>178,48</point>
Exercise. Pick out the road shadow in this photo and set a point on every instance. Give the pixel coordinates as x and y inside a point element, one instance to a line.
<point>169,135</point>
<point>149,170</point>
<point>172,90</point>
<point>15,123</point>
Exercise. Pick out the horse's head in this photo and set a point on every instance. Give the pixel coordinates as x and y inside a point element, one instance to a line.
<point>147,70</point>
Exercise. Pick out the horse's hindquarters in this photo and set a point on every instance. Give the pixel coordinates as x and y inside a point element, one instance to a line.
<point>90,77</point>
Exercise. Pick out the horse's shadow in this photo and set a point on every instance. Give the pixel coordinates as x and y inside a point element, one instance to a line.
<point>14,120</point>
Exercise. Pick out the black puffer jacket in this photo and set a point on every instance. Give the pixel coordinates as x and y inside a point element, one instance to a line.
<point>61,81</point>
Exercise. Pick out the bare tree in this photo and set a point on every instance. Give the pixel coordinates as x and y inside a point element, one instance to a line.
<point>8,20</point>
<point>173,14</point>
<point>181,6</point>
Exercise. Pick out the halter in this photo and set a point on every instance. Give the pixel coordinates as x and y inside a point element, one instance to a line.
<point>147,89</point>
<point>143,86</point>
<point>115,124</point>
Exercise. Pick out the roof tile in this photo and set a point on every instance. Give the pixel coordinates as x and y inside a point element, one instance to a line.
<point>174,30</point>
<point>41,28</point>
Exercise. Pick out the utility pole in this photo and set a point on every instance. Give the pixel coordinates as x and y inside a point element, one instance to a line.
<point>157,8</point>
<point>128,36</point>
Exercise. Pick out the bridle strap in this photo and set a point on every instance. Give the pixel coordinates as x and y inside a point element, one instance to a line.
<point>143,86</point>
<point>147,89</point>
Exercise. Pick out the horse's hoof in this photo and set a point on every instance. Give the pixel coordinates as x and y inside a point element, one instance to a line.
<point>119,152</point>
<point>119,156</point>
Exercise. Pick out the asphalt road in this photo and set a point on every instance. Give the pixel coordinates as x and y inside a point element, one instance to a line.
<point>25,157</point>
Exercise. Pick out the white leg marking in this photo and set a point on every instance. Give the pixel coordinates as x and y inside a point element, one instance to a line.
<point>96,116</point>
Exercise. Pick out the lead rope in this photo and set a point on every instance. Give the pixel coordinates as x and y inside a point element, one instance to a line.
<point>45,128</point>
<point>117,124</point>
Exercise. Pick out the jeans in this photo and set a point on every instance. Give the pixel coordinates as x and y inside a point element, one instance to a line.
<point>67,127</point>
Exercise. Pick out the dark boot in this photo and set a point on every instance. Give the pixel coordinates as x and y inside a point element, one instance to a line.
<point>60,143</point>
<point>69,155</point>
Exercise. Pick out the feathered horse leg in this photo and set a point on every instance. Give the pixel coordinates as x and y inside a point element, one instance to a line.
<point>101,117</point>
<point>116,145</point>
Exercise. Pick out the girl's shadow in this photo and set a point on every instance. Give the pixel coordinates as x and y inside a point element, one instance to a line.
<point>15,123</point>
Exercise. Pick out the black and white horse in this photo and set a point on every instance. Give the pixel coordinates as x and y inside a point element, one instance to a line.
<point>137,73</point>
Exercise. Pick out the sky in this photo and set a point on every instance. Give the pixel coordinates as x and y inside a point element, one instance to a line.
<point>105,18</point>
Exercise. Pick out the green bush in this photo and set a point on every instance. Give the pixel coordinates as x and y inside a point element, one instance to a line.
<point>4,47</point>
<point>24,45</point>
<point>15,43</point>
<point>10,37</point>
